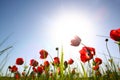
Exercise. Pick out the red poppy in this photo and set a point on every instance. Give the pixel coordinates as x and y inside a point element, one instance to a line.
<point>33,63</point>
<point>86,53</point>
<point>98,61</point>
<point>19,61</point>
<point>56,61</point>
<point>75,41</point>
<point>115,34</point>
<point>17,75</point>
<point>43,54</point>
<point>71,61</point>
<point>39,69</point>
<point>96,67</point>
<point>34,69</point>
<point>46,64</point>
<point>13,68</point>
<point>43,67</point>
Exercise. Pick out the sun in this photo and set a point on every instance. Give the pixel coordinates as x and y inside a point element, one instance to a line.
<point>66,25</point>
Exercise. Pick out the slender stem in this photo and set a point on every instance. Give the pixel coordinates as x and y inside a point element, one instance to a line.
<point>57,49</point>
<point>108,50</point>
<point>51,57</point>
<point>83,44</point>
<point>27,72</point>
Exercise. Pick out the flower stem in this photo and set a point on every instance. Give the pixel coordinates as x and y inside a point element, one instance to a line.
<point>57,49</point>
<point>27,72</point>
<point>108,50</point>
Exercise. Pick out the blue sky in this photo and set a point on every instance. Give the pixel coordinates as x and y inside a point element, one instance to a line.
<point>40,24</point>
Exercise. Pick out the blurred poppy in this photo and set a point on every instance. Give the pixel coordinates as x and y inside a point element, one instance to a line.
<point>86,53</point>
<point>19,61</point>
<point>39,69</point>
<point>71,61</point>
<point>34,69</point>
<point>17,75</point>
<point>13,68</point>
<point>46,64</point>
<point>56,61</point>
<point>43,54</point>
<point>98,61</point>
<point>115,34</point>
<point>75,41</point>
<point>33,63</point>
<point>96,67</point>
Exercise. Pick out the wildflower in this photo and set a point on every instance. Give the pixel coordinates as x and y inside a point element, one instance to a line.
<point>34,69</point>
<point>86,53</point>
<point>96,67</point>
<point>43,54</point>
<point>115,34</point>
<point>56,61</point>
<point>75,41</point>
<point>39,69</point>
<point>98,61</point>
<point>13,68</point>
<point>71,61</point>
<point>19,61</point>
<point>17,75</point>
<point>33,63</point>
<point>46,64</point>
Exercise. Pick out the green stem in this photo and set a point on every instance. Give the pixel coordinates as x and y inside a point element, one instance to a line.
<point>108,50</point>
<point>27,72</point>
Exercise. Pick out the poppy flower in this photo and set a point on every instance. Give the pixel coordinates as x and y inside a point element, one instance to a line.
<point>46,64</point>
<point>56,61</point>
<point>98,61</point>
<point>71,61</point>
<point>39,69</point>
<point>19,61</point>
<point>17,75</point>
<point>96,67</point>
<point>13,68</point>
<point>75,41</point>
<point>33,63</point>
<point>43,54</point>
<point>34,69</point>
<point>86,53</point>
<point>115,34</point>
